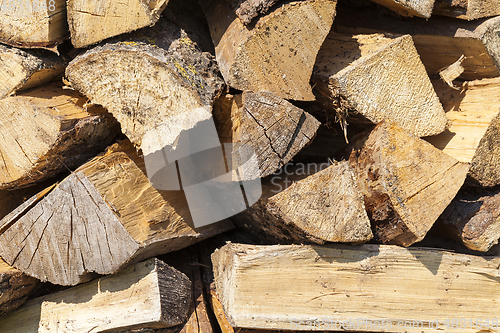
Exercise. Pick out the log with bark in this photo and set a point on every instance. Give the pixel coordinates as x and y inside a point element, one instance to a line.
<point>276,53</point>
<point>406,182</point>
<point>91,22</point>
<point>149,294</point>
<point>467,10</point>
<point>472,137</point>
<point>440,41</point>
<point>48,130</point>
<point>373,288</point>
<point>15,287</point>
<point>27,69</point>
<point>326,206</point>
<point>351,69</point>
<point>102,217</point>
<point>33,24</point>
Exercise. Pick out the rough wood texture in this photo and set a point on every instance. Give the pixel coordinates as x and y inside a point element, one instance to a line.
<point>33,23</point>
<point>467,9</point>
<point>27,69</point>
<point>332,288</point>
<point>474,216</point>
<point>472,135</point>
<point>93,21</point>
<point>406,182</point>
<point>277,53</point>
<point>104,215</point>
<point>440,41</point>
<point>156,82</point>
<point>148,294</point>
<point>49,130</point>
<point>409,7</point>
<point>264,124</point>
<point>351,70</point>
<point>324,207</point>
<point>15,288</point>
<point>247,10</point>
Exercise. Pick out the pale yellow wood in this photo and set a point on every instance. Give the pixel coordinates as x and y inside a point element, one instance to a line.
<point>420,8</point>
<point>95,20</point>
<point>312,287</point>
<point>148,295</point>
<point>467,9</point>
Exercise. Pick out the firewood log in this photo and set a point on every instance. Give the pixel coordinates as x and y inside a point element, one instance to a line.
<point>352,69</point>
<point>467,10</point>
<point>372,288</point>
<point>49,130</point>
<point>408,7</point>
<point>440,41</point>
<point>91,22</point>
<point>247,10</point>
<point>406,182</point>
<point>149,294</point>
<point>27,69</point>
<point>277,53</point>
<point>15,287</point>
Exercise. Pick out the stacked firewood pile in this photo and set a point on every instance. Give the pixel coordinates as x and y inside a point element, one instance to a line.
<point>370,128</point>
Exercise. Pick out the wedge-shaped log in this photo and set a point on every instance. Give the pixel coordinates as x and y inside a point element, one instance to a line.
<point>46,131</point>
<point>155,82</point>
<point>474,217</point>
<point>467,10</point>
<point>103,216</point>
<point>324,207</point>
<point>33,23</point>
<point>409,7</point>
<point>440,41</point>
<point>273,128</point>
<point>406,182</point>
<point>277,53</point>
<point>27,69</point>
<point>93,21</point>
<point>15,287</point>
<point>149,294</point>
<point>352,69</point>
<point>472,136</point>
<point>371,288</point>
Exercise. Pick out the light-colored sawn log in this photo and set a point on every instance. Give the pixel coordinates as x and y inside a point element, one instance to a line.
<point>277,53</point>
<point>467,10</point>
<point>420,8</point>
<point>149,294</point>
<point>93,21</point>
<point>440,41</point>
<point>103,216</point>
<point>406,182</point>
<point>373,288</point>
<point>352,69</point>
<point>48,130</point>
<point>27,69</point>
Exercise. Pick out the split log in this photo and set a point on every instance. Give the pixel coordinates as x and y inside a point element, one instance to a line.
<point>274,129</point>
<point>247,10</point>
<point>474,217</point>
<point>324,207</point>
<point>277,53</point>
<point>33,24</point>
<point>467,10</point>
<point>15,288</point>
<point>148,294</point>
<point>371,288</point>
<point>27,69</point>
<point>49,130</point>
<point>406,182</point>
<point>91,22</point>
<point>440,41</point>
<point>351,70</point>
<point>472,136</point>
<point>156,83</point>
<point>103,216</point>
<point>408,7</point>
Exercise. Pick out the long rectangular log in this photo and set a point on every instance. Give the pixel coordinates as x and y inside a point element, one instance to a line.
<point>409,8</point>
<point>372,288</point>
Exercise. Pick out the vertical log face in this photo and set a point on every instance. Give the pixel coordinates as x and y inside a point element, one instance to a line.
<point>351,70</point>
<point>277,53</point>
<point>406,182</point>
<point>95,20</point>
<point>421,8</point>
<point>156,81</point>
<point>33,23</point>
<point>467,10</point>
